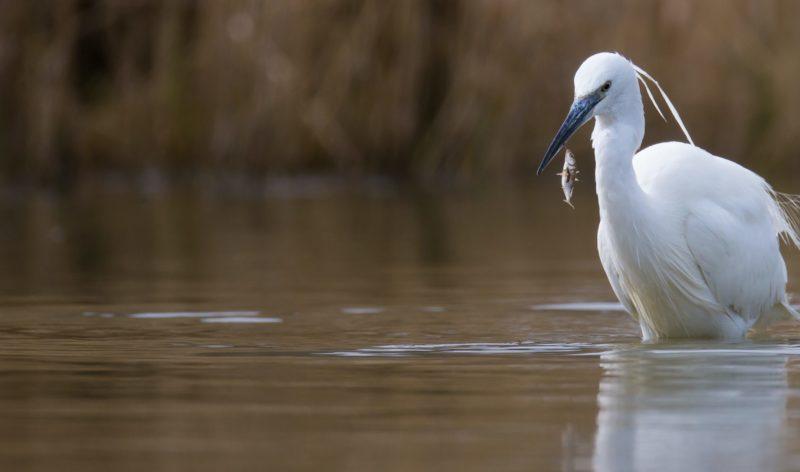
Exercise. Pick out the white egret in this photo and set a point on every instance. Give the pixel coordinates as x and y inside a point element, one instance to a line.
<point>689,241</point>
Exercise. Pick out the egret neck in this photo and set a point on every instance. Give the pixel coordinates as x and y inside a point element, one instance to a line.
<point>616,137</point>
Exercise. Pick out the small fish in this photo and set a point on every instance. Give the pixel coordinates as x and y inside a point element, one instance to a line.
<point>569,175</point>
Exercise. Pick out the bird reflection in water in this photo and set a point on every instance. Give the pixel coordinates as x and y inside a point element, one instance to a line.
<point>683,407</point>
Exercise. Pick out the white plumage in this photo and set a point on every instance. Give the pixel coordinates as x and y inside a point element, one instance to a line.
<point>688,240</point>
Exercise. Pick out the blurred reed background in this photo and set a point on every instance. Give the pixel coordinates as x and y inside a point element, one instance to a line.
<point>412,88</point>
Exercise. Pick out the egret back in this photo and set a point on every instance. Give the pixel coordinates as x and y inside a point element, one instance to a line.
<point>716,233</point>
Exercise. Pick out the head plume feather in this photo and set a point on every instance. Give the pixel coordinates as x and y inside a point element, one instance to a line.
<point>642,75</point>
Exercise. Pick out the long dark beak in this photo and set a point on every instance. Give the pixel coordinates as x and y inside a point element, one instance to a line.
<point>579,114</point>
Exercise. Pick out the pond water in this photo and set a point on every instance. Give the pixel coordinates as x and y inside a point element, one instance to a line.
<point>320,326</point>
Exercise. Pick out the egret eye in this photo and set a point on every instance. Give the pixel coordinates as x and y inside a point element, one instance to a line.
<point>605,86</point>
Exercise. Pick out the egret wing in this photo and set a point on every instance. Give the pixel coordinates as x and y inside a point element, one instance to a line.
<point>738,256</point>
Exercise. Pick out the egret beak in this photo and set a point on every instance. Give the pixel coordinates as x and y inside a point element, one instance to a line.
<point>579,114</point>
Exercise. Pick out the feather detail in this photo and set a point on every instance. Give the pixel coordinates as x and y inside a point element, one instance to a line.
<point>641,72</point>
<point>652,98</point>
<point>786,215</point>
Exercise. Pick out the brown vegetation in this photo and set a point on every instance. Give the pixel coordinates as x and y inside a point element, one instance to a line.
<point>408,87</point>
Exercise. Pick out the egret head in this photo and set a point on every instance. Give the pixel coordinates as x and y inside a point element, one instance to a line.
<point>603,83</point>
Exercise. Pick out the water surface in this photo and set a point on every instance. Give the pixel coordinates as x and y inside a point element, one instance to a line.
<point>367,328</point>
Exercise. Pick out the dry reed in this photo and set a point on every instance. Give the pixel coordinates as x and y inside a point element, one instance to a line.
<point>412,88</point>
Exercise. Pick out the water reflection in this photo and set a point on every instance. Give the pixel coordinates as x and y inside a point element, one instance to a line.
<point>692,408</point>
<point>354,329</point>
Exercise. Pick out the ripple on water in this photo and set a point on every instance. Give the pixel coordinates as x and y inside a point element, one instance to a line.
<point>588,306</point>
<point>242,319</point>
<point>193,314</point>
<point>433,309</point>
<point>711,350</point>
<point>509,348</point>
<point>362,310</point>
<point>101,315</point>
<point>579,306</point>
